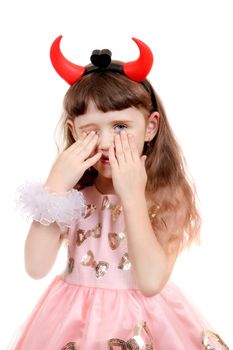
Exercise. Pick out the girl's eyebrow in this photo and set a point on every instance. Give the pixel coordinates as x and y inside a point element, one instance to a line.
<point>113,122</point>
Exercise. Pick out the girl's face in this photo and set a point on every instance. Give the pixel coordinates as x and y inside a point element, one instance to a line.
<point>109,124</point>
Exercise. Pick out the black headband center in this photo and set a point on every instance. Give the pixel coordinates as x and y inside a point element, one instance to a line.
<point>101,58</point>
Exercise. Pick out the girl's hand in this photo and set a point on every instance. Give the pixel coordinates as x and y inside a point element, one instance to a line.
<point>71,164</point>
<point>128,168</point>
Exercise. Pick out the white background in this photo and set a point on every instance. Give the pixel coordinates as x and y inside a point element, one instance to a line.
<point>192,45</point>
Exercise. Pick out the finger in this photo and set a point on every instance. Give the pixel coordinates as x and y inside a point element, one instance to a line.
<point>119,151</point>
<point>92,160</point>
<point>88,138</point>
<point>133,147</point>
<point>89,150</point>
<point>77,142</point>
<point>112,157</point>
<point>86,145</point>
<point>126,146</point>
<point>83,138</point>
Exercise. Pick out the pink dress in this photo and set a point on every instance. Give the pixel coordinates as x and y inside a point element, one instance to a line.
<point>95,304</point>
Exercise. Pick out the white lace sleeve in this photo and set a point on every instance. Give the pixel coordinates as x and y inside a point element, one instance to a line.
<point>36,202</point>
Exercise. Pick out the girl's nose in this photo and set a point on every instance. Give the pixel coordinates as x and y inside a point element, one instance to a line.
<point>105,141</point>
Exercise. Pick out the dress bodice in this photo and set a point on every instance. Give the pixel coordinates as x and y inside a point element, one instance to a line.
<point>97,249</point>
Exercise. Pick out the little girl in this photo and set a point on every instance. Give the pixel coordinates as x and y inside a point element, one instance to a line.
<point>119,195</point>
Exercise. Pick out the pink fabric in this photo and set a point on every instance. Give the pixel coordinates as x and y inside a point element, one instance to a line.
<point>82,308</point>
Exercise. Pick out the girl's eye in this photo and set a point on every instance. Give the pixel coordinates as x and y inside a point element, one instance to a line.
<point>121,126</point>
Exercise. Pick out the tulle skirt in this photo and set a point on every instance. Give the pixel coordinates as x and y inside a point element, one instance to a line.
<point>70,317</point>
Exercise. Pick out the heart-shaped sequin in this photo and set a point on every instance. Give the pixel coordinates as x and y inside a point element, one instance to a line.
<point>212,341</point>
<point>115,209</point>
<point>101,268</point>
<point>88,259</point>
<point>70,265</point>
<point>125,264</point>
<point>114,239</point>
<point>106,203</point>
<point>82,235</point>
<point>70,346</point>
<point>135,343</point>
<point>90,208</point>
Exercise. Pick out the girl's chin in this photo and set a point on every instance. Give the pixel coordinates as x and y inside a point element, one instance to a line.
<point>103,169</point>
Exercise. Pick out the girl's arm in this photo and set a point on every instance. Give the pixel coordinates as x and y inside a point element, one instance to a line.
<point>151,265</point>
<point>41,247</point>
<point>43,242</point>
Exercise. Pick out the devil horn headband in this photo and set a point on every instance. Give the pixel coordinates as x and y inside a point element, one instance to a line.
<point>135,70</point>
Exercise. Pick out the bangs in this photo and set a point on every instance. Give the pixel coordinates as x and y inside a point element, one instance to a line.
<point>109,91</point>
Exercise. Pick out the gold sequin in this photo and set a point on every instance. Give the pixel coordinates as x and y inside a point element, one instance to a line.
<point>115,209</point>
<point>115,239</point>
<point>70,265</point>
<point>100,268</point>
<point>70,346</point>
<point>106,203</point>
<point>125,264</point>
<point>82,235</point>
<point>88,259</point>
<point>211,341</point>
<point>121,344</point>
<point>153,211</point>
<point>135,343</point>
<point>90,208</point>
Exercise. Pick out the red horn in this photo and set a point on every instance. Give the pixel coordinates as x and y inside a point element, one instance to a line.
<point>139,69</point>
<point>69,71</point>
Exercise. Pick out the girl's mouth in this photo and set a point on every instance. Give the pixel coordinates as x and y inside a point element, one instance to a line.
<point>104,160</point>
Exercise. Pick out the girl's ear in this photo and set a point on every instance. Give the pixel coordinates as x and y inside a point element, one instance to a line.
<point>152,126</point>
<point>70,125</point>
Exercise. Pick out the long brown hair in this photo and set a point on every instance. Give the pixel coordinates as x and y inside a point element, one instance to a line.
<point>171,195</point>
